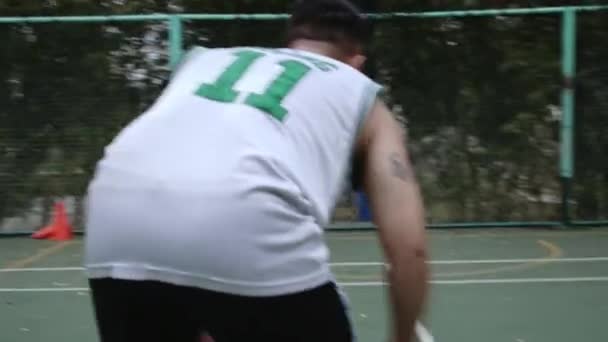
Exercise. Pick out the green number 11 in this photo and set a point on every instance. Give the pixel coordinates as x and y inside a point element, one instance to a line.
<point>222,90</point>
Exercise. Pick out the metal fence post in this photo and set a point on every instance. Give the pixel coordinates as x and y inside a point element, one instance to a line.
<point>175,41</point>
<point>567,120</point>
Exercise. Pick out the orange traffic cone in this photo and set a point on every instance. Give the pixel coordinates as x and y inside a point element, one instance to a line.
<point>59,229</point>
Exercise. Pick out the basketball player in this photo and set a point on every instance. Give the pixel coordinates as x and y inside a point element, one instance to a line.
<point>206,212</point>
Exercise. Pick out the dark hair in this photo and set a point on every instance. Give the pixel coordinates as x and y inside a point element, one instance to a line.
<point>334,21</point>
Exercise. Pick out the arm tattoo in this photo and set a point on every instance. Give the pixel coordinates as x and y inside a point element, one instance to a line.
<point>399,168</point>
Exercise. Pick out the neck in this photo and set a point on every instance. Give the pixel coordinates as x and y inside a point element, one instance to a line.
<point>318,47</point>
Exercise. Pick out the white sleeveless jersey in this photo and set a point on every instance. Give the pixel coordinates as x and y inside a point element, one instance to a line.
<point>226,181</point>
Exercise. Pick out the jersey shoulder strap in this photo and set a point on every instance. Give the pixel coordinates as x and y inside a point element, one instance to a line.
<point>188,57</point>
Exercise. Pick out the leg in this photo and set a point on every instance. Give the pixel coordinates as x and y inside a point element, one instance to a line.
<point>318,315</point>
<point>133,311</point>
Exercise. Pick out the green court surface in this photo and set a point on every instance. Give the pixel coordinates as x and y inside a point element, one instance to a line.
<point>488,286</point>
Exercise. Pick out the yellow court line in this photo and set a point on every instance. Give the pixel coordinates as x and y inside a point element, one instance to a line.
<point>553,251</point>
<point>41,254</point>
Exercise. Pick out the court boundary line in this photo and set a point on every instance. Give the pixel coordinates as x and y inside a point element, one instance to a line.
<point>553,252</point>
<point>489,281</point>
<point>497,281</point>
<point>451,233</point>
<point>40,254</point>
<point>363,264</point>
<point>484,261</point>
<point>41,269</point>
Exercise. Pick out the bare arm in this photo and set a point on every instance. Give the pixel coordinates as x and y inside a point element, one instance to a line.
<point>396,203</point>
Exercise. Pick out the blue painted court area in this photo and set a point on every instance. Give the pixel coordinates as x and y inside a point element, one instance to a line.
<point>517,285</point>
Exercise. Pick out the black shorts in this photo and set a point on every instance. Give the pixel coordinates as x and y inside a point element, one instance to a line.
<point>146,311</point>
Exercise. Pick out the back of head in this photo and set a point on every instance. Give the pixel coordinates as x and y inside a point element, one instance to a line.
<point>337,22</point>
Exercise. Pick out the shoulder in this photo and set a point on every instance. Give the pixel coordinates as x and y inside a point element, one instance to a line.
<point>189,56</point>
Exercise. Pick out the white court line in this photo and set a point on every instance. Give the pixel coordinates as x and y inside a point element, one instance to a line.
<point>46,289</point>
<point>379,283</point>
<point>41,269</point>
<point>491,281</point>
<point>482,261</point>
<point>424,335</point>
<point>357,264</point>
<point>519,261</point>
